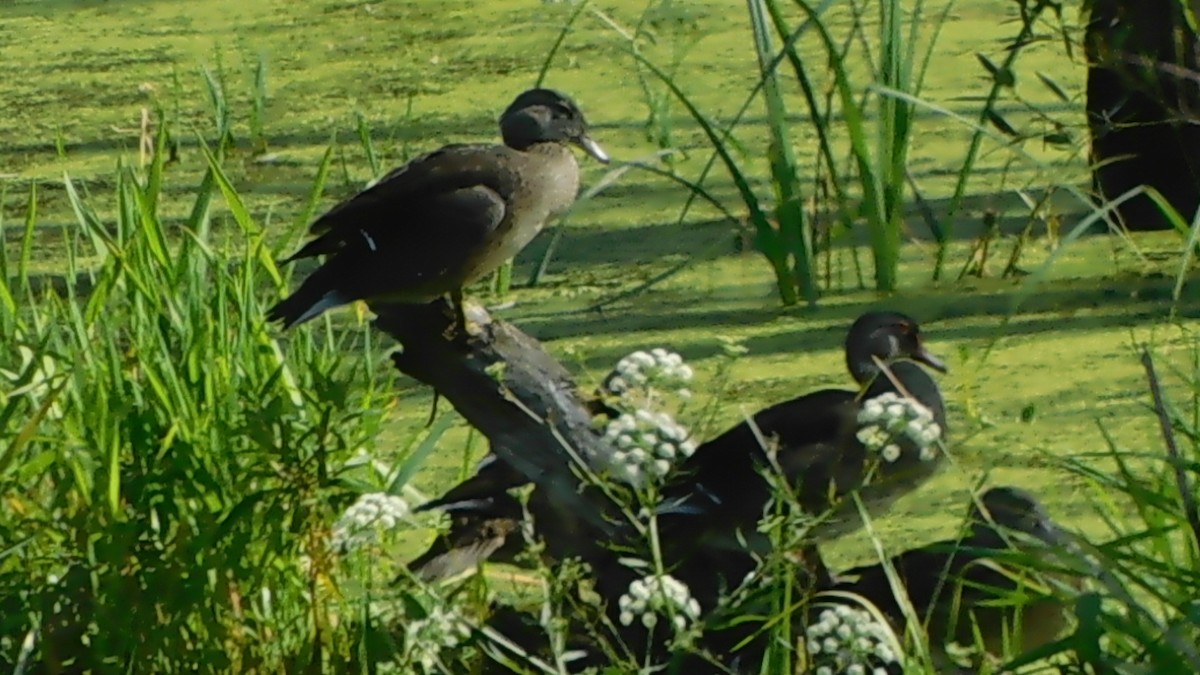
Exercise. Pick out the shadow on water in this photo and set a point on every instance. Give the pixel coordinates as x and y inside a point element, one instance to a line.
<point>1125,301</point>
<point>479,126</point>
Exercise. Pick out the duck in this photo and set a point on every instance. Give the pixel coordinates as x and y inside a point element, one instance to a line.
<point>966,588</point>
<point>481,529</point>
<point>492,477</point>
<point>720,493</point>
<point>447,218</point>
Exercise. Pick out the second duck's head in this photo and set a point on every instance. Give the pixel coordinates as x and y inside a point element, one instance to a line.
<point>1014,510</point>
<point>886,336</point>
<point>545,115</point>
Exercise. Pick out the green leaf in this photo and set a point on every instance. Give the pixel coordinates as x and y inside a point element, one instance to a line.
<point>22,437</point>
<point>1054,87</point>
<point>1001,124</point>
<point>1003,77</point>
<point>415,459</point>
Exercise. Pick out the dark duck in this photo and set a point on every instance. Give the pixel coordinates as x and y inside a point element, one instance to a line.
<point>447,218</point>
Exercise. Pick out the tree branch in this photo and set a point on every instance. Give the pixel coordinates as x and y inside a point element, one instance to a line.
<point>506,386</point>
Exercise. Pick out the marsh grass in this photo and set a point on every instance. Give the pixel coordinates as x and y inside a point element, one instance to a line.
<point>860,95</point>
<point>166,459</point>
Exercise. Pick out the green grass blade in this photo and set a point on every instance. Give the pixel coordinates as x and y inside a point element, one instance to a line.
<point>789,209</point>
<point>306,215</point>
<point>768,237</point>
<point>883,234</point>
<point>368,144</point>
<point>414,460</point>
<point>576,11</point>
<point>27,237</point>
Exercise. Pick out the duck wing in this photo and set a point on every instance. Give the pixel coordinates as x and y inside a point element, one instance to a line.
<point>456,194</point>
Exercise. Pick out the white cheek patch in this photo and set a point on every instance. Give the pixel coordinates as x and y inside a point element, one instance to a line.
<point>894,344</point>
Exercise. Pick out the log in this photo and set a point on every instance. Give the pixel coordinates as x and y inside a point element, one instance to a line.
<point>537,420</point>
<point>508,387</point>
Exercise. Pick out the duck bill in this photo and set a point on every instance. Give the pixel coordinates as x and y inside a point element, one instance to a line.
<point>924,356</point>
<point>593,148</point>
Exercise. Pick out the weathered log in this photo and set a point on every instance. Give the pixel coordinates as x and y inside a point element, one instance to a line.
<point>518,396</point>
<point>1143,106</point>
<point>539,422</point>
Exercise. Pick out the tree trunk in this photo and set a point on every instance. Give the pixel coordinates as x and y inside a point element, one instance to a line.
<point>1143,107</point>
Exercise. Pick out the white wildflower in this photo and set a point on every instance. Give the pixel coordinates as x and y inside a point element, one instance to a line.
<point>425,639</point>
<point>892,425</point>
<point>652,596</point>
<point>849,640</point>
<point>648,443</point>
<point>360,525</point>
<point>658,370</point>
<point>661,468</point>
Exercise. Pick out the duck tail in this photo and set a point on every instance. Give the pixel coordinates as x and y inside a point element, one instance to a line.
<point>307,303</point>
<point>456,506</point>
<point>688,505</point>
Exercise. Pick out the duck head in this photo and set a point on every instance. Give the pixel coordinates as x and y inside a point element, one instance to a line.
<point>886,336</point>
<point>545,115</point>
<point>1014,510</point>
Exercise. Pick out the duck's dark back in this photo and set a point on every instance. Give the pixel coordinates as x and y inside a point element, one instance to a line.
<point>728,466</point>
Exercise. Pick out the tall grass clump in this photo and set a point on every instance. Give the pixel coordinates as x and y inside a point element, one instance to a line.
<point>1142,614</point>
<point>1002,78</point>
<point>878,127</point>
<point>894,62</point>
<point>169,467</point>
<point>793,276</point>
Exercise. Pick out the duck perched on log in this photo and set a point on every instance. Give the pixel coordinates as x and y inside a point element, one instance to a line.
<point>447,218</point>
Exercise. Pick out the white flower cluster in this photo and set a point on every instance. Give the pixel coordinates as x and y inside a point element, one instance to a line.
<point>849,640</point>
<point>653,595</point>
<point>657,369</point>
<point>425,639</point>
<point>648,444</point>
<point>890,419</point>
<point>361,524</point>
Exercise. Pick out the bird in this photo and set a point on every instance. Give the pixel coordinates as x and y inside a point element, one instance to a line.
<point>446,218</point>
<point>720,493</point>
<point>481,529</point>
<point>968,585</point>
<point>493,477</point>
